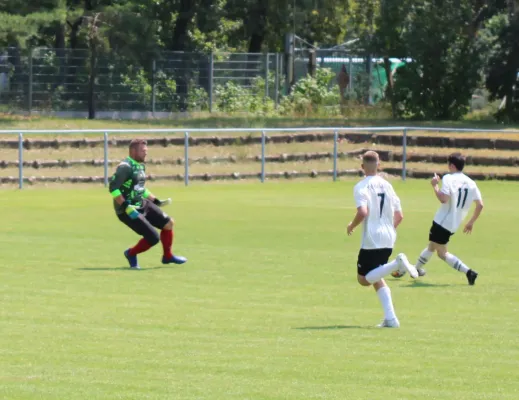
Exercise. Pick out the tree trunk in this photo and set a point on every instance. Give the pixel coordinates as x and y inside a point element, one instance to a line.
<point>187,9</point>
<point>510,105</point>
<point>367,97</point>
<point>59,45</point>
<point>17,80</point>
<point>186,13</point>
<point>59,40</point>
<point>74,60</point>
<point>258,25</point>
<point>91,82</point>
<point>256,40</point>
<point>390,86</point>
<point>93,39</point>
<point>258,19</point>
<point>204,19</point>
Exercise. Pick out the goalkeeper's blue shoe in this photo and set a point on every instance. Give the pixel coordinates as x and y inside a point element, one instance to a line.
<point>174,260</point>
<point>132,260</point>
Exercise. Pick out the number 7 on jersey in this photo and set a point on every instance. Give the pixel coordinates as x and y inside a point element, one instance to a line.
<point>382,198</point>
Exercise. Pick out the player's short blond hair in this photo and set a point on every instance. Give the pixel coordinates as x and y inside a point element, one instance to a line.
<point>370,156</point>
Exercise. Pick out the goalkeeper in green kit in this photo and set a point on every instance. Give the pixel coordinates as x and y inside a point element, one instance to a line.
<point>139,209</point>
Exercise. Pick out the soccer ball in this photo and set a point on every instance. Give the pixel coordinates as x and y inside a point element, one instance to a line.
<point>398,273</point>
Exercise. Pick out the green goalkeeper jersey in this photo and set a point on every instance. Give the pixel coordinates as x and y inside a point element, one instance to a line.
<point>128,180</point>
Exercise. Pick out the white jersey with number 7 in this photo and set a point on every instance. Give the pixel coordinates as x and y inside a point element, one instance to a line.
<point>463,191</point>
<point>380,198</point>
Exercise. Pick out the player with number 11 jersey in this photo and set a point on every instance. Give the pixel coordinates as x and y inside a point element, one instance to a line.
<point>462,192</point>
<point>456,196</point>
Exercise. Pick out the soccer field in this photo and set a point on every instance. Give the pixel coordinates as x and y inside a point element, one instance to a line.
<point>267,307</point>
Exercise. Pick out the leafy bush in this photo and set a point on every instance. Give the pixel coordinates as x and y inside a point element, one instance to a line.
<point>136,82</point>
<point>232,97</point>
<point>197,99</point>
<point>166,92</point>
<point>316,95</point>
<point>313,94</point>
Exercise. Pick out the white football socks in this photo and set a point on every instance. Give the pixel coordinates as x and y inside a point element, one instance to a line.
<point>456,263</point>
<point>384,295</point>
<point>378,273</point>
<point>424,257</point>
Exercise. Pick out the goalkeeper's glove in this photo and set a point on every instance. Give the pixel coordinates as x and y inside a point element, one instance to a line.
<point>131,211</point>
<point>162,203</point>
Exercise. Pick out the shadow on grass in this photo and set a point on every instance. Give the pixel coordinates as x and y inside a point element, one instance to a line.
<point>422,284</point>
<point>125,268</point>
<point>331,327</point>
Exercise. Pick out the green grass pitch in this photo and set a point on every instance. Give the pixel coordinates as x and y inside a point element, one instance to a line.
<point>267,307</point>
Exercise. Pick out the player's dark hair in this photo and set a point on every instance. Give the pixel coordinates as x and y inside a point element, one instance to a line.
<point>457,160</point>
<point>137,142</point>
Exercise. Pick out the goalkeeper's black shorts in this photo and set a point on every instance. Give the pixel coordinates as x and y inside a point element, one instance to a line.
<point>151,217</point>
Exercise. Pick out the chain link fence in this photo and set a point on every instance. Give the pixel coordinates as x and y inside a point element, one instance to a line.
<point>359,79</point>
<point>74,81</point>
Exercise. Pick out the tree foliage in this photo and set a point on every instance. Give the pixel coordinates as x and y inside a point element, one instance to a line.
<point>452,47</point>
<point>503,66</point>
<point>439,40</point>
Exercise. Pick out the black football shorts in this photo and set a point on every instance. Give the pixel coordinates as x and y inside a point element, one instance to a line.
<point>369,259</point>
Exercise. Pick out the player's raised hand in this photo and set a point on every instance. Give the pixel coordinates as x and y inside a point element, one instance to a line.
<point>468,228</point>
<point>435,179</point>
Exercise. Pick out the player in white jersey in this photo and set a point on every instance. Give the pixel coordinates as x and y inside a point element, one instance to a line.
<point>457,194</point>
<point>379,209</point>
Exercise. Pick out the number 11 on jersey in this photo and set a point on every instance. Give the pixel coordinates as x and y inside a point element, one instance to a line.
<point>460,190</point>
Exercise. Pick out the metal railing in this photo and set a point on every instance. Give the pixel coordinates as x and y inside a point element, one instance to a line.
<point>264,131</point>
